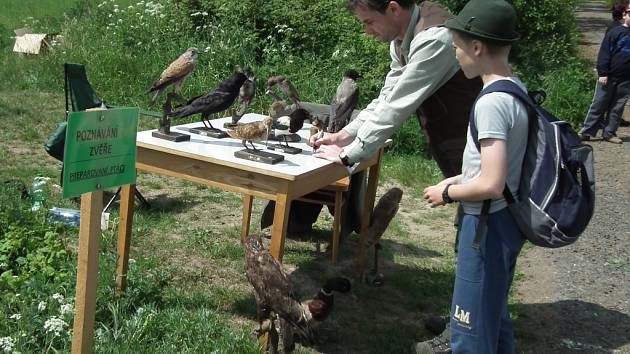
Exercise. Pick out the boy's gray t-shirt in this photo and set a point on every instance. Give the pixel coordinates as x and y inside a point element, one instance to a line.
<point>498,115</point>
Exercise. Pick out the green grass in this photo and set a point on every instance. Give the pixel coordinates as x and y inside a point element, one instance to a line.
<point>187,290</point>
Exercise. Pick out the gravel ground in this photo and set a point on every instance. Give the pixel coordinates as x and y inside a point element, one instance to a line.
<point>576,299</point>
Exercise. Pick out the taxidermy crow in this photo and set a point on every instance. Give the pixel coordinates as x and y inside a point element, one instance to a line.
<point>215,101</point>
<point>344,102</point>
<point>175,74</point>
<point>274,293</point>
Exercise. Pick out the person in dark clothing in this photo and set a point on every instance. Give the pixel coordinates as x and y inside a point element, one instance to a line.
<point>613,85</point>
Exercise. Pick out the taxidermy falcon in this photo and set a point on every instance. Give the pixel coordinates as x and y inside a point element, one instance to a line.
<point>215,101</point>
<point>274,295</point>
<point>344,102</point>
<point>286,87</point>
<point>383,213</point>
<point>175,74</point>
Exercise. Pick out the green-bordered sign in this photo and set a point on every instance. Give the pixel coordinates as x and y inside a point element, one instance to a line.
<point>100,150</point>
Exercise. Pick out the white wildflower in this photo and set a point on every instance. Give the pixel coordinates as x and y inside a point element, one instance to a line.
<point>55,325</point>
<point>115,10</point>
<point>7,344</point>
<point>66,309</point>
<point>204,13</point>
<point>120,20</point>
<point>41,306</point>
<point>60,299</point>
<point>130,7</point>
<point>206,50</point>
<point>15,316</point>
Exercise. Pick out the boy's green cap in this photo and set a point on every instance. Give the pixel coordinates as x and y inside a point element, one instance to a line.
<point>494,20</point>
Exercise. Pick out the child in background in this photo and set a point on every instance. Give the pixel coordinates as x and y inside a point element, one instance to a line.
<point>613,85</point>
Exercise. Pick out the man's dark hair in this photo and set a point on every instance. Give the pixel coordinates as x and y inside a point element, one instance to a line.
<point>617,10</point>
<point>376,5</point>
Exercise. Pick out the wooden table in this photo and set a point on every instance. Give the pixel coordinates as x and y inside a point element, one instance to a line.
<point>211,162</point>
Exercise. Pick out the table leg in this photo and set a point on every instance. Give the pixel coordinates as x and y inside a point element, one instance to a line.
<point>247,216</point>
<point>87,272</point>
<point>370,197</point>
<point>279,227</point>
<point>124,236</point>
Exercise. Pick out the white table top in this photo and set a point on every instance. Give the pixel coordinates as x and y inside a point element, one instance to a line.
<point>224,149</point>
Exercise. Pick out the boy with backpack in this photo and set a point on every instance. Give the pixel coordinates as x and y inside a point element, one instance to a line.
<point>489,240</point>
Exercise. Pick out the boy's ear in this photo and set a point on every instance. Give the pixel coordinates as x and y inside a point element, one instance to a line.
<point>477,47</point>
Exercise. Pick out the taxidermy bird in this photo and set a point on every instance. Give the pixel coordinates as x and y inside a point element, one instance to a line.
<point>286,87</point>
<point>175,74</point>
<point>249,132</point>
<point>275,296</point>
<point>245,95</point>
<point>215,101</point>
<point>344,102</point>
<point>291,124</point>
<point>278,109</point>
<point>382,215</point>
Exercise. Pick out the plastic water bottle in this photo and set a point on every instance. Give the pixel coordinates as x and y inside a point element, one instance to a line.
<point>71,217</point>
<point>39,192</point>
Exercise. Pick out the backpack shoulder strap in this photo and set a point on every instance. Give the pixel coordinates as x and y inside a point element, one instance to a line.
<point>507,86</point>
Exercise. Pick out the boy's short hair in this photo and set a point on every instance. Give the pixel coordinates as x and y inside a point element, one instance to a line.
<point>492,21</point>
<point>376,5</point>
<point>494,47</point>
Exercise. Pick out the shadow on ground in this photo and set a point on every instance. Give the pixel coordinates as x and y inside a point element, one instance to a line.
<point>581,327</point>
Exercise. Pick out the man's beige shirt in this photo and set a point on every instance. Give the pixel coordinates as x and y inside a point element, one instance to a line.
<point>430,62</point>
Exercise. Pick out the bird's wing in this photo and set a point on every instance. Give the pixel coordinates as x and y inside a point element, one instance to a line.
<point>341,111</point>
<point>271,282</point>
<point>383,213</point>
<point>176,71</point>
<point>212,102</point>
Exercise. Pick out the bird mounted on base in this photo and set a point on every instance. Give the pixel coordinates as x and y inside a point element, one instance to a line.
<point>245,96</point>
<point>250,132</point>
<point>214,101</point>
<point>345,101</point>
<point>382,215</point>
<point>275,296</point>
<point>175,74</point>
<point>286,87</point>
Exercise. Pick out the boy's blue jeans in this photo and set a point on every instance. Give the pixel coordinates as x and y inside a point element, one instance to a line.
<point>607,108</point>
<point>480,321</point>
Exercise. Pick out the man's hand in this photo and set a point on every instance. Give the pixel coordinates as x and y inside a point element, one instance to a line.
<point>603,80</point>
<point>341,139</point>
<point>329,152</point>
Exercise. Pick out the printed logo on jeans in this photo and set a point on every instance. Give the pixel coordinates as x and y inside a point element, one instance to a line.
<point>462,317</point>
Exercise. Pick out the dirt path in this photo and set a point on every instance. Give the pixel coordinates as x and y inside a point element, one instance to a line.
<point>577,299</point>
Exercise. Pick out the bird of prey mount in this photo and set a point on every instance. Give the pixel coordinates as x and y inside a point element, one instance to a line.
<point>175,74</point>
<point>277,304</point>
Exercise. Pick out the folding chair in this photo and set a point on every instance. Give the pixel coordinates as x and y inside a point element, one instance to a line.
<point>81,95</point>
